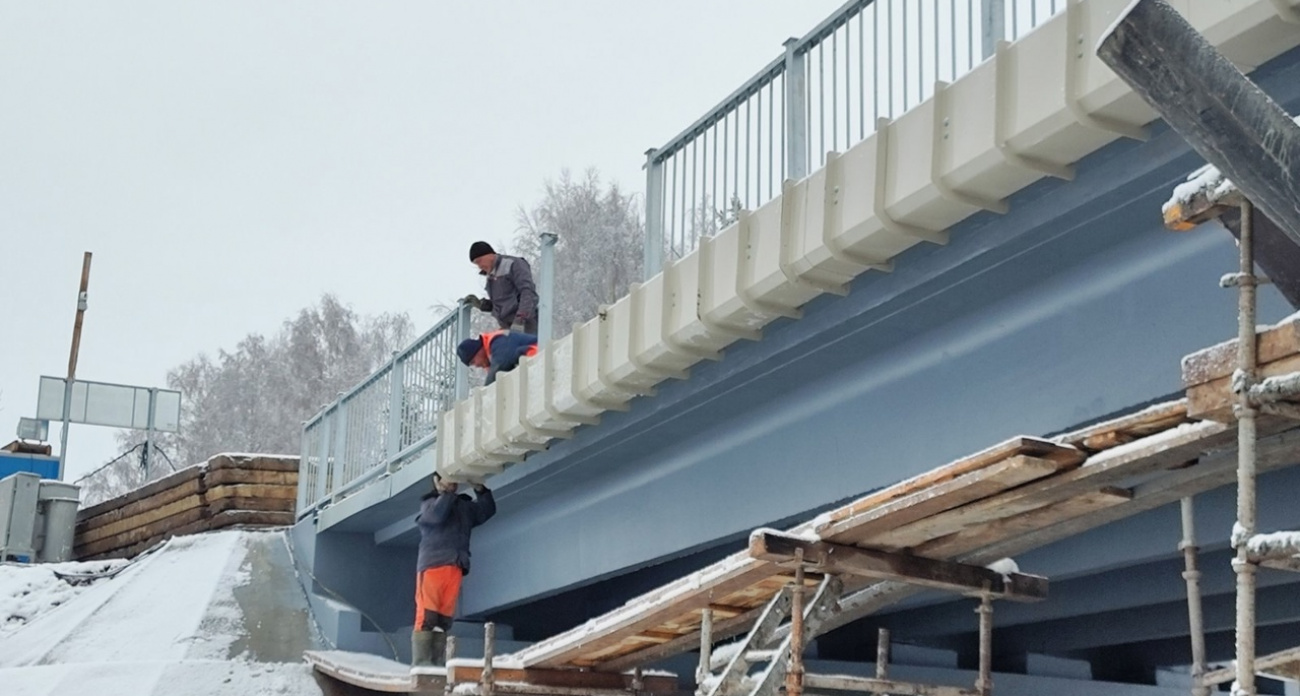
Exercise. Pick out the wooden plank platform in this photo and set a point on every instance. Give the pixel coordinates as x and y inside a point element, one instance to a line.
<point>251,490</point>
<point>1207,374</point>
<point>372,672</point>
<point>1015,496</point>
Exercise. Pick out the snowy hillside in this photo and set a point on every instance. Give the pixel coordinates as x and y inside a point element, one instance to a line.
<point>219,614</point>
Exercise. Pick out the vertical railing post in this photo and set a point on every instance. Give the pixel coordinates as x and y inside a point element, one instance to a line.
<point>340,432</point>
<point>462,333</point>
<point>326,447</point>
<point>546,291</point>
<point>304,478</point>
<point>796,112</point>
<point>653,256</point>
<point>993,22</point>
<point>396,408</point>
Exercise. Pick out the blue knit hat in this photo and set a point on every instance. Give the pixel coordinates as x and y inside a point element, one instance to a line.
<point>468,348</point>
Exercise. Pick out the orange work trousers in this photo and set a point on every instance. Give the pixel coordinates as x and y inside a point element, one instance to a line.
<point>436,590</point>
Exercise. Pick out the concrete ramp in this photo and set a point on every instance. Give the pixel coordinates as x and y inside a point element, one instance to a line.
<point>219,613</point>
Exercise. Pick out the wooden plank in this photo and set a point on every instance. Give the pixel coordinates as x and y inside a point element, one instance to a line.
<point>1167,450</point>
<point>252,490</point>
<point>1125,429</point>
<point>193,486</point>
<point>142,492</point>
<point>1022,445</point>
<point>144,519</point>
<point>367,671</point>
<point>251,505</point>
<point>826,557</point>
<point>757,597</point>
<point>258,476</point>
<point>1214,400</point>
<point>138,534</point>
<point>260,462</point>
<point>982,535</point>
<point>692,593</point>
<point>940,497</point>
<point>844,682</point>
<point>1215,362</point>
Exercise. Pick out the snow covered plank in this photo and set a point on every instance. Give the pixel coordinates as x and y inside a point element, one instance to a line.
<point>1023,445</point>
<point>1019,525</point>
<point>1125,429</point>
<point>925,502</point>
<point>368,671</point>
<point>1273,343</point>
<point>1171,449</point>
<point>217,477</point>
<point>283,463</point>
<point>688,595</point>
<point>1280,550</point>
<point>1207,373</point>
<point>826,557</point>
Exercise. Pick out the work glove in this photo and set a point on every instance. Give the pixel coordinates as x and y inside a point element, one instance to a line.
<point>471,300</point>
<point>517,327</point>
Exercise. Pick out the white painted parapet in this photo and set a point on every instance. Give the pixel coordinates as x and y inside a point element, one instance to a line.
<point>1032,110</point>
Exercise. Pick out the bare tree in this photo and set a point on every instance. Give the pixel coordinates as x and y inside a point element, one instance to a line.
<point>599,248</point>
<point>255,397</point>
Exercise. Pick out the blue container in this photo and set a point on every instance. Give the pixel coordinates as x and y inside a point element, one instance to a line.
<point>39,464</point>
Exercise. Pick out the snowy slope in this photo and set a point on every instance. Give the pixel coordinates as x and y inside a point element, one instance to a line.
<point>216,613</point>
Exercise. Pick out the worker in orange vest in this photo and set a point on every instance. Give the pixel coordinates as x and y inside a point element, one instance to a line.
<point>498,351</point>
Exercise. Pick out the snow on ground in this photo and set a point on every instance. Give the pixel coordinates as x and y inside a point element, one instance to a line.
<point>30,590</point>
<point>184,619</point>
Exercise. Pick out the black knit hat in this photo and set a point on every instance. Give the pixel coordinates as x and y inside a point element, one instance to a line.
<point>478,249</point>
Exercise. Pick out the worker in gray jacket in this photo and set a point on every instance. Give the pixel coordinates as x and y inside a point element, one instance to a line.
<point>445,520</point>
<point>511,295</point>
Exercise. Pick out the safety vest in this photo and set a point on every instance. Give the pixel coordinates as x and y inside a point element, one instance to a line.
<point>487,342</point>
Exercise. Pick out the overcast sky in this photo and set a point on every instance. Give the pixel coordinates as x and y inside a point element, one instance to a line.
<point>229,162</point>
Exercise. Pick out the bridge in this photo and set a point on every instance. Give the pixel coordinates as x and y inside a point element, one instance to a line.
<point>978,255</point>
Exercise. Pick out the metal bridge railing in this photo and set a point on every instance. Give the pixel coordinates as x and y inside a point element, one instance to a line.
<point>385,421</point>
<point>871,59</point>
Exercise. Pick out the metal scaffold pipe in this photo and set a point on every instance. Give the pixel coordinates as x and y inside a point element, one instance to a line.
<point>1195,617</point>
<point>1246,438</point>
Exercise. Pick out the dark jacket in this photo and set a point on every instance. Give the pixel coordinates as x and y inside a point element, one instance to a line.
<point>505,350</point>
<point>511,294</point>
<point>445,522</point>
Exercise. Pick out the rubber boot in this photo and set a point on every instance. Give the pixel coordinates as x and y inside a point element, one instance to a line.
<point>422,648</point>
<point>438,648</point>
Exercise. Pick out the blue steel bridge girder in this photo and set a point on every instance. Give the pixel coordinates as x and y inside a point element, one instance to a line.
<point>1073,305</point>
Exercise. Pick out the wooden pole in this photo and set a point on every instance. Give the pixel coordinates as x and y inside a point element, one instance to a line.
<point>72,361</point>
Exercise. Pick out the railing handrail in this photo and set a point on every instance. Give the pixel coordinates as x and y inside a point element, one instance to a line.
<point>762,78</point>
<point>379,371</point>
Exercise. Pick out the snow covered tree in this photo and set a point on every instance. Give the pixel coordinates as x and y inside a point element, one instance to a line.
<point>255,397</point>
<point>599,248</point>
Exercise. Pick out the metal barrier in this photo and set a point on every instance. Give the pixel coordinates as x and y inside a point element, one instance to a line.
<point>387,420</point>
<point>872,59</point>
